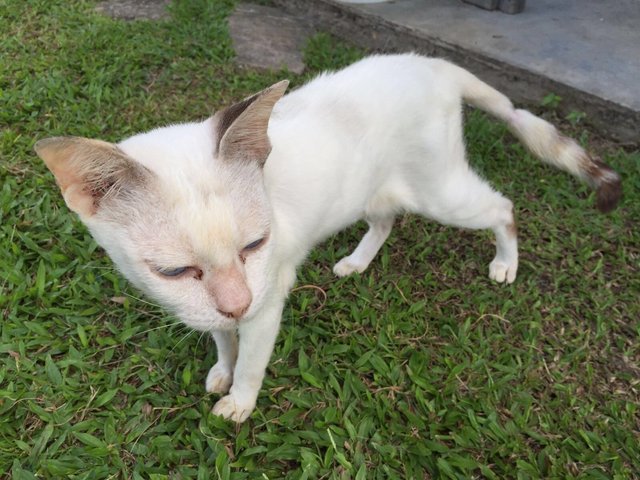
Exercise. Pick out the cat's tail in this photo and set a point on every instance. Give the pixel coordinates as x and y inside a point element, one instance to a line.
<point>543,139</point>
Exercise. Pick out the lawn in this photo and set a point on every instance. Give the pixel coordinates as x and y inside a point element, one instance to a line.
<point>420,367</point>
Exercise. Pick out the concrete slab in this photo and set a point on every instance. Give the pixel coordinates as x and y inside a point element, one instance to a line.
<point>263,37</point>
<point>586,51</point>
<point>267,38</point>
<point>135,9</point>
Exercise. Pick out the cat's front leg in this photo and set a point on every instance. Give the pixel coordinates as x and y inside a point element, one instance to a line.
<point>257,337</point>
<point>359,260</point>
<point>220,376</point>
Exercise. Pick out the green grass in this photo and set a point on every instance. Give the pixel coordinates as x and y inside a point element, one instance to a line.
<point>418,368</point>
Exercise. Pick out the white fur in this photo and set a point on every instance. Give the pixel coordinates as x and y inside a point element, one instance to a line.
<point>381,137</point>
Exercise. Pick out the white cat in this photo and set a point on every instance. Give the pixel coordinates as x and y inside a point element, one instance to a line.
<point>212,218</point>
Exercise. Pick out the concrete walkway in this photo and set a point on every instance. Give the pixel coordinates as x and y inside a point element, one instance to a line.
<point>586,51</point>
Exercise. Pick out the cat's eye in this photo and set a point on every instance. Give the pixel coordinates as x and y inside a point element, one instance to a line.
<point>253,245</point>
<point>172,272</point>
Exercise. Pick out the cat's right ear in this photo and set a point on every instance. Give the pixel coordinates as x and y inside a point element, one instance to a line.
<point>88,171</point>
<point>241,129</point>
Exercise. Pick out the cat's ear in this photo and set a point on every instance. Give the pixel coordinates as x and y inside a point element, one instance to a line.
<point>88,171</point>
<point>241,129</point>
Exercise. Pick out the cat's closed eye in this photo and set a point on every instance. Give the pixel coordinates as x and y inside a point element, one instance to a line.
<point>172,272</point>
<point>251,247</point>
<point>178,272</point>
<point>254,245</point>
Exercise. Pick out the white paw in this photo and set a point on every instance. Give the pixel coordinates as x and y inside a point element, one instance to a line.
<point>219,379</point>
<point>346,267</point>
<point>231,408</point>
<point>501,271</point>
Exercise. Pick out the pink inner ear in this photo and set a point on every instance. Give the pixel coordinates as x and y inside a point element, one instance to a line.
<point>65,176</point>
<point>229,290</point>
<point>77,199</point>
<point>72,188</point>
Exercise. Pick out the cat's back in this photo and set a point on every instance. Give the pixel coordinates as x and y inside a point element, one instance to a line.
<point>378,83</point>
<point>378,97</point>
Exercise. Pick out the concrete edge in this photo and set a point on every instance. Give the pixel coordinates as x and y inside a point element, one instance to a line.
<point>374,33</point>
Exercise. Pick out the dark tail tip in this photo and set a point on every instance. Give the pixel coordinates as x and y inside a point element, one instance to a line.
<point>608,195</point>
<point>606,182</point>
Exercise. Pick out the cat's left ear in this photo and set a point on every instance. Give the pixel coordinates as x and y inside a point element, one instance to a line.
<point>241,129</point>
<point>89,171</point>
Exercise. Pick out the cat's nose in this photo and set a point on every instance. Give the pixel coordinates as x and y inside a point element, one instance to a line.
<point>233,300</point>
<point>236,313</point>
<point>230,292</point>
<point>234,303</point>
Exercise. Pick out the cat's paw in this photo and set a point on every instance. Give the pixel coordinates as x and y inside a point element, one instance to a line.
<point>219,379</point>
<point>502,271</point>
<point>231,408</point>
<point>346,267</point>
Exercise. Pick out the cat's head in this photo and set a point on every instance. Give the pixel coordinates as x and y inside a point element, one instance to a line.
<point>181,210</point>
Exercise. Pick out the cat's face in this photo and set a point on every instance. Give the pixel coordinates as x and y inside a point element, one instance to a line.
<point>194,238</point>
<point>181,210</point>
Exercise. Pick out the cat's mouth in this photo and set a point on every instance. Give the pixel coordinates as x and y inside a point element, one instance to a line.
<point>209,323</point>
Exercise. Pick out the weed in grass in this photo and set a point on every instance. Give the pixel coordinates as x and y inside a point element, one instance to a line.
<point>418,368</point>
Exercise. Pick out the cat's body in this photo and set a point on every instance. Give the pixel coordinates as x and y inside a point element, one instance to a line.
<point>213,218</point>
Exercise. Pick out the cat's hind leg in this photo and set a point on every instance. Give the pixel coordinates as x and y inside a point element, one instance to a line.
<point>359,260</point>
<point>465,200</point>
<point>505,264</point>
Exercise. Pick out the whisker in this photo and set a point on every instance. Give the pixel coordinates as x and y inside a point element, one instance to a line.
<point>198,344</point>
<point>184,337</point>
<point>146,302</point>
<point>160,327</point>
<point>200,338</point>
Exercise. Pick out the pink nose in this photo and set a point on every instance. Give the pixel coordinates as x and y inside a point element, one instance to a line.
<point>230,292</point>
<point>236,313</point>
<point>235,303</point>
